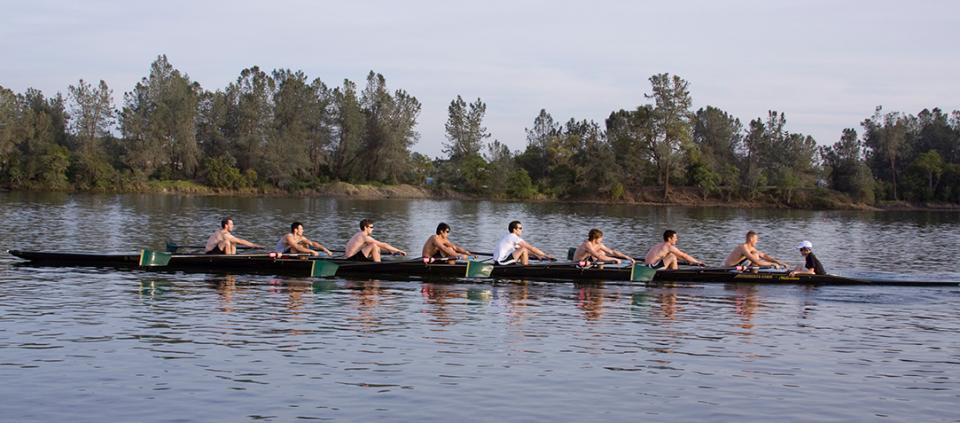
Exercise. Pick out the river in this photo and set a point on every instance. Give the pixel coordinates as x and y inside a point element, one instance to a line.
<point>85,344</point>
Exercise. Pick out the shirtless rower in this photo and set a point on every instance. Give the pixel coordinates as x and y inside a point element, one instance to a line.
<point>593,250</point>
<point>223,241</point>
<point>748,252</point>
<point>439,245</point>
<point>511,248</point>
<point>363,247</point>
<point>666,255</point>
<point>294,242</point>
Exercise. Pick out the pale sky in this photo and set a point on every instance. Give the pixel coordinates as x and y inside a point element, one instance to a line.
<point>825,64</point>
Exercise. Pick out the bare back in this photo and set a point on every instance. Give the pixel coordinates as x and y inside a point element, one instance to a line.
<point>740,253</point>
<point>657,253</point>
<point>356,243</point>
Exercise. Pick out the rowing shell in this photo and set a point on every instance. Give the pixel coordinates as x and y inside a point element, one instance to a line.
<point>304,266</point>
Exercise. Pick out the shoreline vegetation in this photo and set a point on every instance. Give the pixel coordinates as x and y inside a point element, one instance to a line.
<point>684,196</point>
<point>279,133</point>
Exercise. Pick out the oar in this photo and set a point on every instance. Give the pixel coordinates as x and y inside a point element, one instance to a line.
<point>172,248</point>
<point>474,268</point>
<point>150,258</point>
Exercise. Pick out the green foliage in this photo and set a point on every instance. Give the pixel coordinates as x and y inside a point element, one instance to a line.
<point>281,130</point>
<point>521,186</point>
<point>222,172</point>
<point>158,123</point>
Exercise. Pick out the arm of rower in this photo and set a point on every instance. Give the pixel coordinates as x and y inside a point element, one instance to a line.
<point>771,259</point>
<point>534,250</point>
<point>317,245</point>
<point>244,242</point>
<point>758,259</point>
<point>682,255</point>
<point>448,249</point>
<point>388,247</point>
<point>603,253</point>
<point>619,254</point>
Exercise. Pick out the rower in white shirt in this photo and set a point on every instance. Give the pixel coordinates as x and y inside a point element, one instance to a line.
<point>512,249</point>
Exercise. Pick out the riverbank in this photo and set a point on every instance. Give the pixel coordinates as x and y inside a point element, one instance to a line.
<point>809,199</point>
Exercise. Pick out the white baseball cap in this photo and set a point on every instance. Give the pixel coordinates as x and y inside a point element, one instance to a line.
<point>805,244</point>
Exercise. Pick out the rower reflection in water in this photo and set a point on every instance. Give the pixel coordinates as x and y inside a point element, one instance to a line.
<point>223,242</point>
<point>748,254</point>
<point>294,242</point>
<point>593,250</point>
<point>666,255</point>
<point>590,300</point>
<point>363,247</point>
<point>513,249</point>
<point>811,265</point>
<point>440,246</point>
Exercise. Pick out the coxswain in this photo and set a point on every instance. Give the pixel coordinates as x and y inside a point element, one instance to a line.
<point>593,250</point>
<point>294,242</point>
<point>223,241</point>
<point>748,252</point>
<point>363,247</point>
<point>440,246</point>
<point>811,265</point>
<point>512,249</point>
<point>666,255</point>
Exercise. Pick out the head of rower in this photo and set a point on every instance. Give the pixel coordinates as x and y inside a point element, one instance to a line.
<point>296,228</point>
<point>515,228</point>
<point>366,226</point>
<point>227,224</point>
<point>752,238</point>
<point>595,236</point>
<point>670,237</point>
<point>443,230</point>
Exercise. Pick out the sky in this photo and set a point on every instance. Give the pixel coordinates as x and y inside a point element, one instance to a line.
<point>825,64</point>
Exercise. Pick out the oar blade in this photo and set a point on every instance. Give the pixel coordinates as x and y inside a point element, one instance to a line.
<point>150,258</point>
<point>478,269</point>
<point>323,269</point>
<point>641,273</point>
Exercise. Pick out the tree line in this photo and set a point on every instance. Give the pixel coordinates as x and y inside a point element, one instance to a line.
<point>280,130</point>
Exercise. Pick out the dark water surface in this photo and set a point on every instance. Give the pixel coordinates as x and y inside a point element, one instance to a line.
<point>80,344</point>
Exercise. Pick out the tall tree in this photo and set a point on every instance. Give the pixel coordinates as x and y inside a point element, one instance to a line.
<point>718,156</point>
<point>9,118</point>
<point>464,129</point>
<point>91,118</point>
<point>250,119</point>
<point>848,171</point>
<point>348,133</point>
<point>534,157</point>
<point>886,136</point>
<point>390,131</point>
<point>42,157</point>
<point>673,130</point>
<point>158,121</point>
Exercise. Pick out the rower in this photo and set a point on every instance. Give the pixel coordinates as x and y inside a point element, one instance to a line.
<point>811,265</point>
<point>666,255</point>
<point>223,241</point>
<point>511,248</point>
<point>748,252</point>
<point>440,246</point>
<point>363,247</point>
<point>593,250</point>
<point>294,242</point>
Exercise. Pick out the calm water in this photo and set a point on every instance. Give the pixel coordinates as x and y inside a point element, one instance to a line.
<point>92,345</point>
